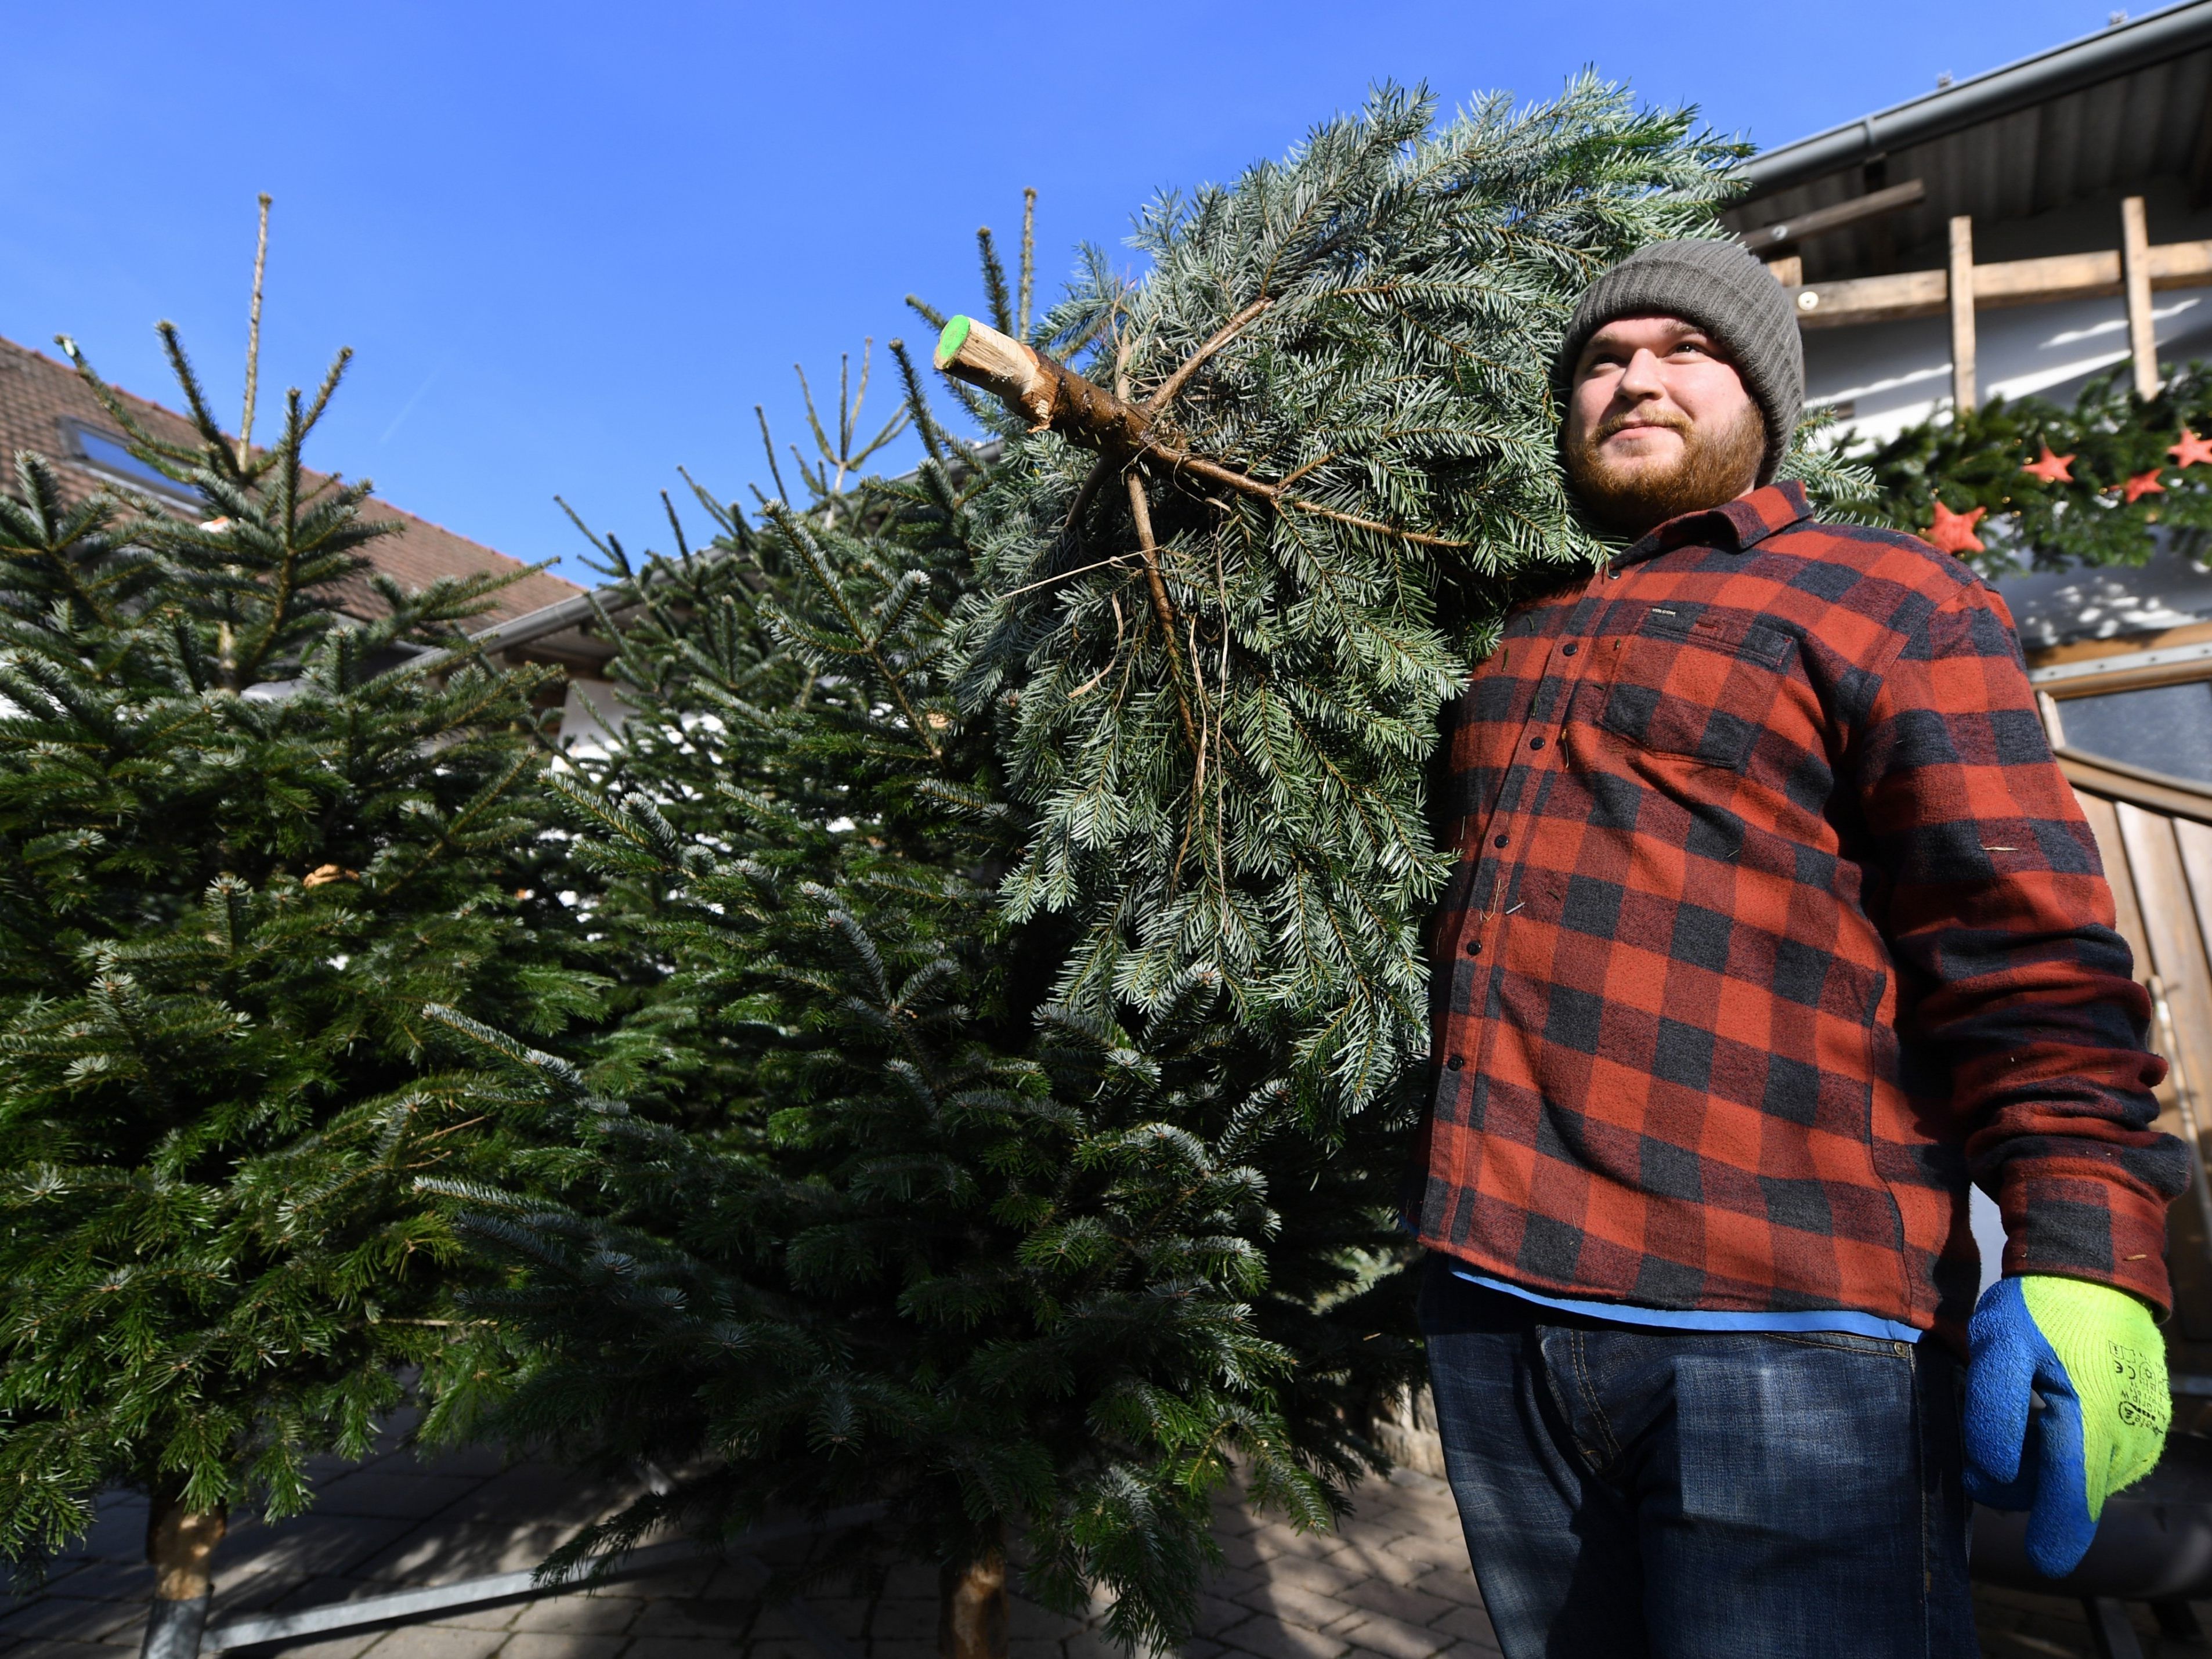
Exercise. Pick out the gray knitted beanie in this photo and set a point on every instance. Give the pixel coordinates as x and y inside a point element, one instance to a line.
<point>1722,288</point>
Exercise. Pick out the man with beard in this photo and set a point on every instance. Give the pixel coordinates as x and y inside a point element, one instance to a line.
<point>1773,925</point>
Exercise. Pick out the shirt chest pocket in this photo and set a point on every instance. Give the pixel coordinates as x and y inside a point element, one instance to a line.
<point>1695,683</point>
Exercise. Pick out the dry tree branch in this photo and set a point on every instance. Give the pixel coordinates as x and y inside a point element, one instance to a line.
<point>1221,338</point>
<point>1029,383</point>
<point>1054,397</point>
<point>1163,607</point>
<point>1165,394</point>
<point>1141,513</point>
<point>1067,576</point>
<point>1029,259</point>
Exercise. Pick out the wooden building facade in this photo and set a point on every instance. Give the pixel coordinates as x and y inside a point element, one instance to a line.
<point>2018,233</point>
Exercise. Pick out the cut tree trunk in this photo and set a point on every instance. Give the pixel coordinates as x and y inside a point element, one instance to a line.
<point>1050,394</point>
<point>180,1544</point>
<point>971,1607</point>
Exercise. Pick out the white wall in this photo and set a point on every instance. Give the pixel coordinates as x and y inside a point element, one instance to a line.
<point>1893,375</point>
<point>1885,377</point>
<point>591,712</point>
<point>2170,590</point>
<point>1900,373</point>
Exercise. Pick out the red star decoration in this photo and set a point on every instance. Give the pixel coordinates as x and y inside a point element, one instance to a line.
<point>2192,449</point>
<point>2053,468</point>
<point>2143,484</point>
<point>1954,532</point>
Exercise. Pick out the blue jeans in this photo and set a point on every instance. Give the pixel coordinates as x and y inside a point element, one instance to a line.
<point>1700,1495</point>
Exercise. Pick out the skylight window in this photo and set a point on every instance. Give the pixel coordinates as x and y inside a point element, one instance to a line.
<point>104,453</point>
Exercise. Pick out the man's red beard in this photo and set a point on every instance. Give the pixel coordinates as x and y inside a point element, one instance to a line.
<point>1713,467</point>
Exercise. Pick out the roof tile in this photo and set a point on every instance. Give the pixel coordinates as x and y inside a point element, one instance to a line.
<point>39,398</point>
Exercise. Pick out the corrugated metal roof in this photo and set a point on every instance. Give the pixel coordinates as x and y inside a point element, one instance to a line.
<point>2121,49</point>
<point>2085,144</point>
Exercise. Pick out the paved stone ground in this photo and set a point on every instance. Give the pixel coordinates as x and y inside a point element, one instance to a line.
<point>1393,1583</point>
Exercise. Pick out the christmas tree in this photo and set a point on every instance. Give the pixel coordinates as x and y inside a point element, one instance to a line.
<point>244,840</point>
<point>1236,563</point>
<point>843,1211</point>
<point>1023,862</point>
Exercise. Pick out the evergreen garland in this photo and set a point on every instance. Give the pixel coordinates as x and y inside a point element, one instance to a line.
<point>2029,483</point>
<point>243,840</point>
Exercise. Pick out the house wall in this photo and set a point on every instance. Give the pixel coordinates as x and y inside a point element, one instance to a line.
<point>1888,376</point>
<point>1882,378</point>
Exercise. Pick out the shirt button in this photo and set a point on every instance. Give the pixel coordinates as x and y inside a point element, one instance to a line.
<point>1455,1063</point>
<point>1501,840</point>
<point>1569,648</point>
<point>1475,947</point>
<point>1536,743</point>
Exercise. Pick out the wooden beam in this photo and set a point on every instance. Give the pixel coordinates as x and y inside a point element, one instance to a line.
<point>1844,215</point>
<point>2011,283</point>
<point>2180,265</point>
<point>1873,299</point>
<point>1788,271</point>
<point>2153,791</point>
<point>2088,655</point>
<point>2175,797</point>
<point>2031,281</point>
<point>1961,296</point>
<point>2054,723</point>
<point>2135,264</point>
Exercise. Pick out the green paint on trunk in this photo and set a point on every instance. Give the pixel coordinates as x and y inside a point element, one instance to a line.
<point>950,342</point>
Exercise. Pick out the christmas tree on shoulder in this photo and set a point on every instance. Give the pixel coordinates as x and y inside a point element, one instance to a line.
<point>1029,853</point>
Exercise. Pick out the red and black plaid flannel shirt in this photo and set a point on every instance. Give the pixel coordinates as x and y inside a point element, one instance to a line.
<point>1773,923</point>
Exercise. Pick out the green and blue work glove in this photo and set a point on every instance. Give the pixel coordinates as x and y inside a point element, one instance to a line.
<point>2094,1356</point>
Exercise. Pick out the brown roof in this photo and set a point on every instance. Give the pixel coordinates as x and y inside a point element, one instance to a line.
<point>43,405</point>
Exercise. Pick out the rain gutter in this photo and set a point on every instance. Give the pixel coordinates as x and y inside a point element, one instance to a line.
<point>2121,49</point>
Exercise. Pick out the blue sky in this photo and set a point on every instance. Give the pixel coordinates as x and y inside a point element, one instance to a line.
<point>573,245</point>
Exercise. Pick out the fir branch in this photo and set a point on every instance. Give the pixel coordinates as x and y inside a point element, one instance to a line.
<point>994,281</point>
